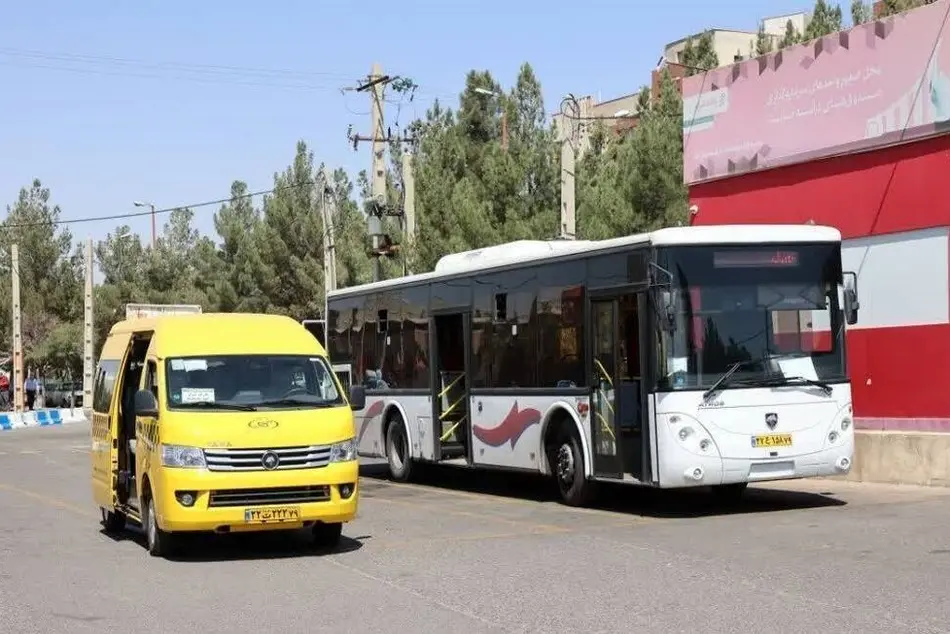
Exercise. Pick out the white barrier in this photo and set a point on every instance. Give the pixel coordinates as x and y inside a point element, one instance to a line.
<point>40,418</point>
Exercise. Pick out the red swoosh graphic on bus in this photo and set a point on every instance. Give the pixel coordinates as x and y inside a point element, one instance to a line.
<point>372,412</point>
<point>511,427</point>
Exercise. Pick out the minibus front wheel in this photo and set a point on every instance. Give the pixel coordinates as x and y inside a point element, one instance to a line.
<point>160,543</point>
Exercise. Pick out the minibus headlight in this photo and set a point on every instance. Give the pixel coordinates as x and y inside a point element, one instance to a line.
<point>186,457</point>
<point>343,451</point>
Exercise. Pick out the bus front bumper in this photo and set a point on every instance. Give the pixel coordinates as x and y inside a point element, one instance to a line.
<point>201,500</point>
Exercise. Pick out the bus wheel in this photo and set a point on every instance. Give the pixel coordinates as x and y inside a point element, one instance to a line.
<point>568,466</point>
<point>397,450</point>
<point>113,521</point>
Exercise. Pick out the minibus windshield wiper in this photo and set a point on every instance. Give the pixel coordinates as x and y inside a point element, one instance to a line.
<point>215,405</point>
<point>296,401</point>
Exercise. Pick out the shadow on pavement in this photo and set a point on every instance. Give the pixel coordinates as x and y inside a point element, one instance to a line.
<point>618,498</point>
<point>206,547</point>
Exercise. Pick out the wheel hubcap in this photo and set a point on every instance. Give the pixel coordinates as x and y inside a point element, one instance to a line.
<point>397,451</point>
<point>565,464</point>
<point>151,524</point>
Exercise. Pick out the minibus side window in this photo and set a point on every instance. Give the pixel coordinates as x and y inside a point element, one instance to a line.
<point>151,378</point>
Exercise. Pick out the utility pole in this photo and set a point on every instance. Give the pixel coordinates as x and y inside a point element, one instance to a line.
<point>329,209</point>
<point>88,348</point>
<point>570,110</point>
<point>379,207</point>
<point>379,165</point>
<point>409,204</point>
<point>17,331</point>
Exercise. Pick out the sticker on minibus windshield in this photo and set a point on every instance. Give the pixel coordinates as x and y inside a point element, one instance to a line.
<point>197,395</point>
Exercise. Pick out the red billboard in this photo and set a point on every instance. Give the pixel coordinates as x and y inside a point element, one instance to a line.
<point>877,84</point>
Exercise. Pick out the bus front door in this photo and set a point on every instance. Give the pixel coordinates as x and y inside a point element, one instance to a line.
<point>605,350</point>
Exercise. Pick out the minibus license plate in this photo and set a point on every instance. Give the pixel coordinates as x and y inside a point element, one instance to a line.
<point>772,440</point>
<point>272,514</point>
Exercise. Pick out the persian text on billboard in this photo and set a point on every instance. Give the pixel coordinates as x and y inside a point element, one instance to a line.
<point>877,84</point>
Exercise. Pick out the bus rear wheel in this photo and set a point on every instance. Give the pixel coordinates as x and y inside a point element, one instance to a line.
<point>567,464</point>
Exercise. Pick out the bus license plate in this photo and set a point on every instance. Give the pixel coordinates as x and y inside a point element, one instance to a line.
<point>772,440</point>
<point>272,515</point>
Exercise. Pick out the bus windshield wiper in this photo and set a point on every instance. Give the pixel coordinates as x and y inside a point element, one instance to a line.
<point>790,380</point>
<point>216,405</point>
<point>725,377</point>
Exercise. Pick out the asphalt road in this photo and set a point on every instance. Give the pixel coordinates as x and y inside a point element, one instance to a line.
<point>482,553</point>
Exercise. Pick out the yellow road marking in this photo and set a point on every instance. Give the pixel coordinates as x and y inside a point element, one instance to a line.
<point>48,500</point>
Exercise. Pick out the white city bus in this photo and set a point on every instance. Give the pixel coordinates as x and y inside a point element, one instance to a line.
<point>689,356</point>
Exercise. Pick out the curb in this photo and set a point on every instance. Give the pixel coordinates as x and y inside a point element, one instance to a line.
<point>41,418</point>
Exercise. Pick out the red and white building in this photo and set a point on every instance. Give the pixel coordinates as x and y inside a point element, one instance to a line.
<point>850,130</point>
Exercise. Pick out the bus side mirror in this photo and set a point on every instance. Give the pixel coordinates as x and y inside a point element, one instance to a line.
<point>146,404</point>
<point>668,310</point>
<point>850,297</point>
<point>357,397</point>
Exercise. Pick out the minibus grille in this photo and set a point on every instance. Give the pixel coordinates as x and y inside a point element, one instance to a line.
<point>280,459</point>
<point>281,495</point>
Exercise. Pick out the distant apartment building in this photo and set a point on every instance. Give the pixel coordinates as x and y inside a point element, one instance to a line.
<point>733,46</point>
<point>620,114</point>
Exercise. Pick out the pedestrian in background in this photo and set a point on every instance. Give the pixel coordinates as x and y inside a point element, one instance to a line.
<point>30,388</point>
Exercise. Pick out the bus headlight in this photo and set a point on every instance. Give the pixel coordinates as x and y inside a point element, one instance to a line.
<point>833,437</point>
<point>343,451</point>
<point>845,423</point>
<point>183,457</point>
<point>691,434</point>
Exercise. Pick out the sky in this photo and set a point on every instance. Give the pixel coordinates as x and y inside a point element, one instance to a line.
<point>109,101</point>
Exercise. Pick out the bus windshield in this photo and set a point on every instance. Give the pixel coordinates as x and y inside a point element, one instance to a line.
<point>248,382</point>
<point>764,314</point>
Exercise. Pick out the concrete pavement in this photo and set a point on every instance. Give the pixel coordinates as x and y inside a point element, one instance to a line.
<point>483,553</point>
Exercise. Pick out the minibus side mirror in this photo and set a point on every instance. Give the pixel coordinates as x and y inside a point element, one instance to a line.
<point>146,404</point>
<point>357,397</point>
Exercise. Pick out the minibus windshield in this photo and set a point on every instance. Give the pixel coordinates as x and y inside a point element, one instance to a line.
<point>250,381</point>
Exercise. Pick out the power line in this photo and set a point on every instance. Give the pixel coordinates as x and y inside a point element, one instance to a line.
<point>190,67</point>
<point>136,214</point>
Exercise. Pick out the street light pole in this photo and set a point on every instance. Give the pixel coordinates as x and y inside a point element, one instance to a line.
<point>139,203</point>
<point>504,116</point>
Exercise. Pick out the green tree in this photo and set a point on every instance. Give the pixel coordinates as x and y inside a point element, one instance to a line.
<point>860,12</point>
<point>764,42</point>
<point>291,241</point>
<point>50,271</point>
<point>791,37</point>
<point>891,7</point>
<point>701,55</point>
<point>825,20</point>
<point>635,183</point>
<point>240,287</point>
<point>471,192</point>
